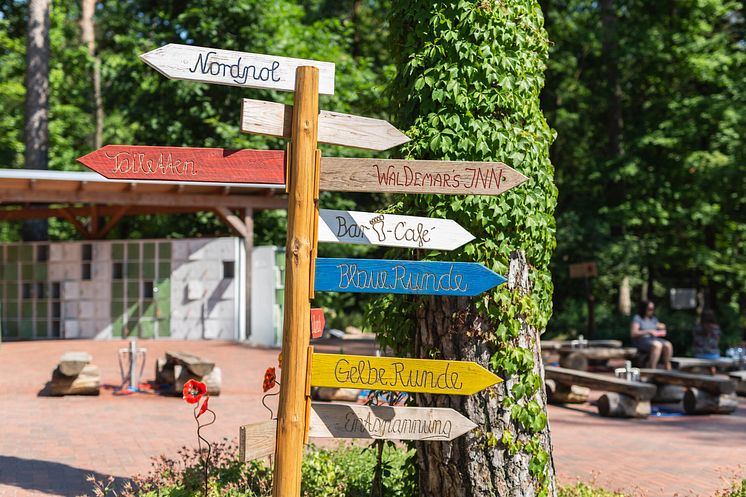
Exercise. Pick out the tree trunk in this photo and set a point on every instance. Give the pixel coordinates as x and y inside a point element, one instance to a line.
<point>88,37</point>
<point>469,466</point>
<point>36,132</point>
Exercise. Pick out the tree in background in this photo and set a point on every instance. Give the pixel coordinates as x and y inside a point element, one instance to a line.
<point>36,133</point>
<point>648,102</point>
<point>468,86</point>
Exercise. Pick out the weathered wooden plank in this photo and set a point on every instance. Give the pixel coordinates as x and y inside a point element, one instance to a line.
<point>72,363</point>
<point>693,362</point>
<point>401,375</point>
<point>273,119</point>
<point>601,353</point>
<point>227,67</point>
<point>387,422</point>
<point>406,277</point>
<point>187,164</point>
<point>370,228</point>
<point>198,366</point>
<point>712,384</point>
<point>257,440</point>
<point>420,176</point>
<point>640,391</point>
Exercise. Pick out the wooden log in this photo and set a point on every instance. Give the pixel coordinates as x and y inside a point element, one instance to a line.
<point>574,360</point>
<point>564,394</point>
<point>698,401</point>
<point>638,390</point>
<point>717,385</point>
<point>212,381</point>
<point>682,363</point>
<point>669,394</point>
<point>602,353</point>
<point>199,366</point>
<point>739,378</point>
<point>72,363</point>
<point>618,405</point>
<point>87,382</point>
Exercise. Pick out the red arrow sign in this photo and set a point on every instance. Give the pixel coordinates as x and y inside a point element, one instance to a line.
<point>188,164</point>
<point>317,323</point>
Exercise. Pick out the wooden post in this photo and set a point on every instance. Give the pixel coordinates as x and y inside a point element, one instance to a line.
<point>248,243</point>
<point>302,172</point>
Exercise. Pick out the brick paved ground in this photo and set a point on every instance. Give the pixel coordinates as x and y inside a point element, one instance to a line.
<point>48,445</point>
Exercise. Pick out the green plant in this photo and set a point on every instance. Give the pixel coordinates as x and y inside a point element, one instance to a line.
<point>583,490</point>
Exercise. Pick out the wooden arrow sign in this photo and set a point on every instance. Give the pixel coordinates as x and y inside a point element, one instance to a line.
<point>188,164</point>
<point>317,323</point>
<point>386,422</point>
<point>367,228</point>
<point>355,421</point>
<point>400,375</point>
<point>409,277</point>
<point>226,67</point>
<point>420,176</point>
<point>273,119</point>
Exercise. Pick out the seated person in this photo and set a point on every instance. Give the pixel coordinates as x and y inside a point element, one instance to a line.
<point>647,333</point>
<point>706,337</point>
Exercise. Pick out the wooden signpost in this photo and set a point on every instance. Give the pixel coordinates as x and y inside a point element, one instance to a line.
<point>436,424</point>
<point>367,228</point>
<point>188,164</point>
<point>273,119</point>
<point>400,375</point>
<point>226,67</point>
<point>317,323</point>
<point>304,172</point>
<point>408,277</point>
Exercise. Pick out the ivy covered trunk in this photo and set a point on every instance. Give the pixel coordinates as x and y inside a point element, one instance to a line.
<point>467,88</point>
<point>484,463</point>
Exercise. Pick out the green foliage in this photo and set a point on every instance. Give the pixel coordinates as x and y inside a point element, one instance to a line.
<point>583,490</point>
<point>468,86</point>
<point>665,207</point>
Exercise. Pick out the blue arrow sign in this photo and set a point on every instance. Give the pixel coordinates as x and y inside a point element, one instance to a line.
<point>385,276</point>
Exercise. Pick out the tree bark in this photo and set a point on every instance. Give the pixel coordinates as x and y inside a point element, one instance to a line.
<point>88,37</point>
<point>468,466</point>
<point>36,132</point>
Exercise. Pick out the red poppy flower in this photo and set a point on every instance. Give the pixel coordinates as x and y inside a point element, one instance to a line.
<point>270,379</point>
<point>204,407</point>
<point>193,391</point>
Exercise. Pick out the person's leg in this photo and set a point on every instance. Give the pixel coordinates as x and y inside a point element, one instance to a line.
<point>666,354</point>
<point>655,354</point>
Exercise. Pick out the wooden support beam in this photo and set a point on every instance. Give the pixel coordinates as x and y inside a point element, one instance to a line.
<point>112,222</point>
<point>77,224</point>
<point>248,243</point>
<point>232,221</point>
<point>143,198</point>
<point>93,226</point>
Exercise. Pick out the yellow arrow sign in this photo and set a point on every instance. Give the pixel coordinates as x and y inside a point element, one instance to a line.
<point>401,375</point>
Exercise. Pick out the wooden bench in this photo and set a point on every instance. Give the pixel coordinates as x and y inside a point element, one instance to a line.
<point>179,367</point>
<point>692,363</point>
<point>75,375</point>
<point>574,358</point>
<point>704,394</point>
<point>622,398</point>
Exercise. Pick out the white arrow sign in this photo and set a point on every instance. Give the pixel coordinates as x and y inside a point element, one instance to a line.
<point>356,421</point>
<point>386,422</point>
<point>226,67</point>
<point>367,228</point>
<point>273,119</point>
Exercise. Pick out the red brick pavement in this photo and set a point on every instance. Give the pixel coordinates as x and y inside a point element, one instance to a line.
<point>48,445</point>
